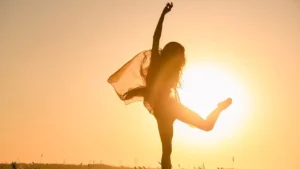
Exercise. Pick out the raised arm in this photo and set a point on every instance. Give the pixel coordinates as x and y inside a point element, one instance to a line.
<point>158,30</point>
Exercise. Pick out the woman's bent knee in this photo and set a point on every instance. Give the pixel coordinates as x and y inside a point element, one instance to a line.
<point>206,126</point>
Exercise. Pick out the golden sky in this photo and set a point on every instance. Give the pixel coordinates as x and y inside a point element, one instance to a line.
<point>56,56</point>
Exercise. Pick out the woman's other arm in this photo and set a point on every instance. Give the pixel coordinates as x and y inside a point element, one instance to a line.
<point>158,30</point>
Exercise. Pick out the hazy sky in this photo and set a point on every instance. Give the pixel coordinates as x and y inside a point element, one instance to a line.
<point>56,56</point>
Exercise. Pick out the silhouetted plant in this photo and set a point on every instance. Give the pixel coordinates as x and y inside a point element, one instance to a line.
<point>14,165</point>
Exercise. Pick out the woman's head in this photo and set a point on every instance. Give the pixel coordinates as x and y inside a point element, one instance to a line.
<point>171,49</point>
<point>172,62</point>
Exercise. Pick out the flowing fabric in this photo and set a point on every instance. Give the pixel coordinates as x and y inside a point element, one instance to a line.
<point>132,76</point>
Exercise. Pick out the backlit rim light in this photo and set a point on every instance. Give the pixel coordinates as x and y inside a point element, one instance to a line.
<point>203,87</point>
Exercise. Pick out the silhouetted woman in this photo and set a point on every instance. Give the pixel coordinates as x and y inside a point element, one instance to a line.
<point>153,76</point>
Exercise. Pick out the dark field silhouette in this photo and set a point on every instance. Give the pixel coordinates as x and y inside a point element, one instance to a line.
<point>15,165</point>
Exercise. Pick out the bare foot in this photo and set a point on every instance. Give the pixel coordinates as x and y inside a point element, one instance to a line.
<point>224,104</point>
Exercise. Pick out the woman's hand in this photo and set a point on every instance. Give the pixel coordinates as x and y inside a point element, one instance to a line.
<point>168,8</point>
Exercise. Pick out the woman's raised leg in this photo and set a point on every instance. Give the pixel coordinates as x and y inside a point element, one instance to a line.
<point>188,116</point>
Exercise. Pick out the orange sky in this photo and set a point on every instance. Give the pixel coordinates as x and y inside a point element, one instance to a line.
<point>55,58</point>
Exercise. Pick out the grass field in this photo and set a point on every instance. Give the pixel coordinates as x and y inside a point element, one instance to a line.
<point>58,166</point>
<point>15,165</point>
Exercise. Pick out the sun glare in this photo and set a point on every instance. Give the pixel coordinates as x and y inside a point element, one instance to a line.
<point>203,87</point>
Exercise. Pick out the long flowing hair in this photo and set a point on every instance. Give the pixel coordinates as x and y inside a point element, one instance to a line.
<point>170,66</point>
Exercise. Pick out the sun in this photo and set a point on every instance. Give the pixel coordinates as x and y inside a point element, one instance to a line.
<point>203,87</point>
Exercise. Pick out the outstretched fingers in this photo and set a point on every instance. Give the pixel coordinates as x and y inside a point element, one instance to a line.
<point>168,7</point>
<point>170,4</point>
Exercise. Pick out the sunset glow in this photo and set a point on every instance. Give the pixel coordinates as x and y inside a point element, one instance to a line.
<point>56,105</point>
<point>204,86</point>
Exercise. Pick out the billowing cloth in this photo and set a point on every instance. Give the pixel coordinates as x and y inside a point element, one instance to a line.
<point>132,77</point>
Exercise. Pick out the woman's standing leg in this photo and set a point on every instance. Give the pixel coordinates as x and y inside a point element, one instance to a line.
<point>165,127</point>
